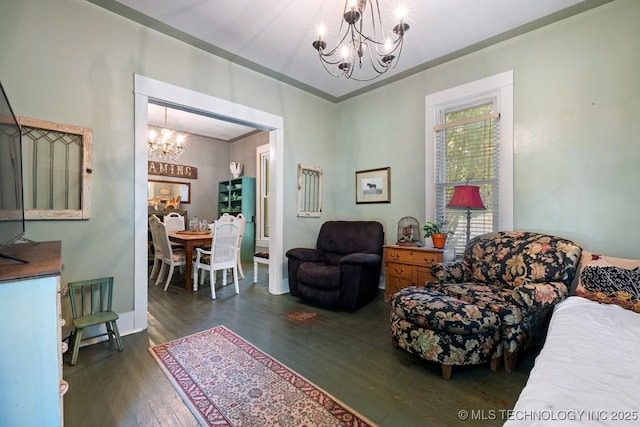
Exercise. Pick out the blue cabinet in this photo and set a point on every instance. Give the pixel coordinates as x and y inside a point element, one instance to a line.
<point>31,384</point>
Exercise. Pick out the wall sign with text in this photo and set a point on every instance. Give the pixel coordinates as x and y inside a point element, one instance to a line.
<point>171,169</point>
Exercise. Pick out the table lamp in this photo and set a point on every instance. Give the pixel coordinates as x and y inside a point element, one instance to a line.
<point>466,197</point>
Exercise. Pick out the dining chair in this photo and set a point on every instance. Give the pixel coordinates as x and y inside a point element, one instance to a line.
<point>174,222</point>
<point>259,258</point>
<point>222,256</point>
<point>91,306</point>
<point>157,251</point>
<point>243,224</point>
<point>171,257</point>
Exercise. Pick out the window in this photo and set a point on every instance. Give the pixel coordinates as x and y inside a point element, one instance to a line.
<point>262,206</point>
<point>467,151</point>
<point>56,170</point>
<point>469,141</point>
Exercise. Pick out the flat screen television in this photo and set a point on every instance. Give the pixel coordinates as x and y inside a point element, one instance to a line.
<point>12,225</point>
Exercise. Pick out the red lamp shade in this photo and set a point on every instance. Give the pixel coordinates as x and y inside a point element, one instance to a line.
<point>466,197</point>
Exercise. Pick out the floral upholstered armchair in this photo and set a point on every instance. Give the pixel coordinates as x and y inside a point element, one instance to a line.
<point>518,275</point>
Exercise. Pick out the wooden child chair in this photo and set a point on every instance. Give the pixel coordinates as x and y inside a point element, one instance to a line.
<point>91,306</point>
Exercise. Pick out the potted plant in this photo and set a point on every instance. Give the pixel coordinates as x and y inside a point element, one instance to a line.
<point>438,231</point>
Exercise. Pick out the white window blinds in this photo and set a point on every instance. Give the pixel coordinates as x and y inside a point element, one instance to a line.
<point>467,151</point>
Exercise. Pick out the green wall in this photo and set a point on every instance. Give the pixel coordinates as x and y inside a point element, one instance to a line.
<point>576,127</point>
<point>576,150</point>
<point>72,62</point>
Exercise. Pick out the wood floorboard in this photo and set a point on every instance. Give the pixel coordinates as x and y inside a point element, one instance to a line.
<point>347,354</point>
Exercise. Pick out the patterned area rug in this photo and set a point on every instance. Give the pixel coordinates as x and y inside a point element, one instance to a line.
<point>226,381</point>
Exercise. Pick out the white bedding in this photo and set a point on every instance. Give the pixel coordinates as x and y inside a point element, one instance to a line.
<point>588,371</point>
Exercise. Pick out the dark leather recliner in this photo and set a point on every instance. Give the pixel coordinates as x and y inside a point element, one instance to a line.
<point>344,270</point>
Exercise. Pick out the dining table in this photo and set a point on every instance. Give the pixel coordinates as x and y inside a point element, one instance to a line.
<point>190,240</point>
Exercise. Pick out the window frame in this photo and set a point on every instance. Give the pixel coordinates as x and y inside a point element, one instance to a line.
<point>499,86</point>
<point>262,195</point>
<point>309,192</point>
<point>86,134</point>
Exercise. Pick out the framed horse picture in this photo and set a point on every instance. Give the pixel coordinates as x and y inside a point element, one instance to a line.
<point>373,186</point>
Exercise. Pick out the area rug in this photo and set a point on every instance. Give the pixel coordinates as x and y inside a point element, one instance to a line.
<point>226,381</point>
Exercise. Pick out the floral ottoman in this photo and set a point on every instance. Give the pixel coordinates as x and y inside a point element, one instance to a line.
<point>444,329</point>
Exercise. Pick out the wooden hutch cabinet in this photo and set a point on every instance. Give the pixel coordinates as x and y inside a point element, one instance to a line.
<point>408,266</point>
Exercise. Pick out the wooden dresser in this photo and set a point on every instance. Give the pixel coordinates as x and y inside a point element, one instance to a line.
<point>408,266</point>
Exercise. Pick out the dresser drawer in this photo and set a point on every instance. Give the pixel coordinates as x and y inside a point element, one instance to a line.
<point>407,266</point>
<point>391,255</point>
<point>412,256</point>
<point>401,271</point>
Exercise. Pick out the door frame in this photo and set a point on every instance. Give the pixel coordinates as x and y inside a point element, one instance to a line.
<point>146,89</point>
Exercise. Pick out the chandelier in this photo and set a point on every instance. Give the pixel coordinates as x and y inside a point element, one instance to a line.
<point>364,40</point>
<point>166,143</point>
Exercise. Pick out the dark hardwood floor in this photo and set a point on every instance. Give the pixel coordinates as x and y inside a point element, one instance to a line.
<point>347,354</point>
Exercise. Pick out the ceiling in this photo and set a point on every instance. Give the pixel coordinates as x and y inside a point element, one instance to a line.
<point>274,37</point>
<point>196,124</point>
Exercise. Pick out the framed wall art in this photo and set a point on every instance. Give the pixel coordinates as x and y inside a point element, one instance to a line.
<point>373,186</point>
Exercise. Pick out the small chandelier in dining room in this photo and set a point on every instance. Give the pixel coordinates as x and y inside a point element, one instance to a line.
<point>364,42</point>
<point>166,143</point>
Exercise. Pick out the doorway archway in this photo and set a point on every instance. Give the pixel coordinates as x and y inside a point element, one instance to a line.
<point>146,89</point>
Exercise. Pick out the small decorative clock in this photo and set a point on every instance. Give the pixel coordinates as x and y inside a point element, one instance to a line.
<point>409,232</point>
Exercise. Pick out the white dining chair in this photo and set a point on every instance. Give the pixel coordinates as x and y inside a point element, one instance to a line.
<point>259,258</point>
<point>174,222</point>
<point>171,257</point>
<point>157,250</point>
<point>243,224</point>
<point>222,256</point>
